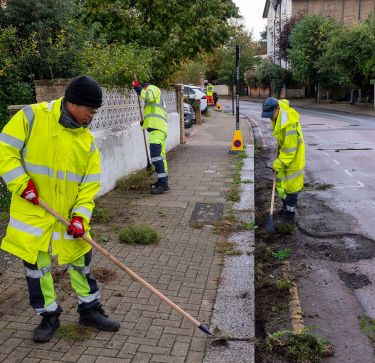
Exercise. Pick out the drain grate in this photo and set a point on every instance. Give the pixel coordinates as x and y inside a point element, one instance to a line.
<point>207,213</point>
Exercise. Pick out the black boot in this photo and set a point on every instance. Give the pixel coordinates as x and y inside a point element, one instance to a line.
<point>288,217</point>
<point>159,189</point>
<point>47,327</point>
<point>96,317</point>
<point>156,185</point>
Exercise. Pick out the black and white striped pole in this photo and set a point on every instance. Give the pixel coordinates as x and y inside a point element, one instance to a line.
<point>237,143</point>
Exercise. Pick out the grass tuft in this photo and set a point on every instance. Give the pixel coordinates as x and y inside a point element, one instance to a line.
<point>247,181</point>
<point>367,325</point>
<point>250,226</point>
<point>140,181</point>
<point>242,155</point>
<point>282,254</point>
<point>227,249</point>
<point>101,215</point>
<point>139,234</point>
<point>197,225</point>
<point>283,284</point>
<point>233,194</point>
<point>73,332</point>
<point>298,347</point>
<point>285,229</point>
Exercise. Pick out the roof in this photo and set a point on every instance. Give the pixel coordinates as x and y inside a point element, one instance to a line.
<point>266,8</point>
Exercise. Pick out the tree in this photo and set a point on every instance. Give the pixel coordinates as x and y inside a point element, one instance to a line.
<point>283,38</point>
<point>227,56</point>
<point>268,74</point>
<point>307,46</point>
<point>48,36</point>
<point>175,31</point>
<point>13,89</point>
<point>350,55</point>
<point>116,65</point>
<point>190,73</point>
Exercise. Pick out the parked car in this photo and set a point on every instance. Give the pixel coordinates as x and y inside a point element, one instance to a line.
<point>189,115</point>
<point>194,93</point>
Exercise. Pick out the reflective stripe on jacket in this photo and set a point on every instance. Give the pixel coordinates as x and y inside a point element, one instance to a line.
<point>155,112</point>
<point>290,162</point>
<point>64,165</point>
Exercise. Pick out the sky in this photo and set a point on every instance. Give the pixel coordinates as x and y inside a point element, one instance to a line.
<point>252,11</point>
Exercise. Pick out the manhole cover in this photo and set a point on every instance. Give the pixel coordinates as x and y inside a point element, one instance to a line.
<point>207,213</point>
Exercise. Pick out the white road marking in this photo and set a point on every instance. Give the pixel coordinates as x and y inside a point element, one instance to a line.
<point>332,114</point>
<point>348,172</point>
<point>360,185</point>
<point>325,153</point>
<point>336,161</point>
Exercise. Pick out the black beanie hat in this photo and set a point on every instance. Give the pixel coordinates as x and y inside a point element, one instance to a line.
<point>84,90</point>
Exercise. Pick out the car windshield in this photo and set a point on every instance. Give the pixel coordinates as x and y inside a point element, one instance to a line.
<point>198,92</point>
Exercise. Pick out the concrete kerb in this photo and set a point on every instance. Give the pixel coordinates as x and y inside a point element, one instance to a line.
<point>234,310</point>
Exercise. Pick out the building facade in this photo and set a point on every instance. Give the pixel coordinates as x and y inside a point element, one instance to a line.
<point>350,12</point>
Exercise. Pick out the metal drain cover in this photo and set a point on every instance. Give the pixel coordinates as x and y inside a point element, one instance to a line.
<point>207,213</point>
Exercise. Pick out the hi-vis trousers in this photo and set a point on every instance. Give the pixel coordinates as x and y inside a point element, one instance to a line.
<point>41,287</point>
<point>158,155</point>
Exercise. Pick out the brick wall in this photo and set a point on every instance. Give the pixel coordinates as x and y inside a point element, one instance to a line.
<point>348,11</point>
<point>48,90</point>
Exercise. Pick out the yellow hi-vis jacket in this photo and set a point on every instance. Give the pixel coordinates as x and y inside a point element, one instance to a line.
<point>290,162</point>
<point>64,165</point>
<point>210,90</point>
<point>155,112</point>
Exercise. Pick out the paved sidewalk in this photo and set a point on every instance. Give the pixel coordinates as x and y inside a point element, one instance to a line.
<point>185,266</point>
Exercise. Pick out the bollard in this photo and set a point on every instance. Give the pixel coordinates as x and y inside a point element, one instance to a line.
<point>197,109</point>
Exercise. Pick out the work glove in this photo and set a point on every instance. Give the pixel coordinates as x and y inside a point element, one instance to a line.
<point>137,87</point>
<point>30,193</point>
<point>76,228</point>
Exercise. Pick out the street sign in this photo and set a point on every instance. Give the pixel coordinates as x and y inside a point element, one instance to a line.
<point>372,81</point>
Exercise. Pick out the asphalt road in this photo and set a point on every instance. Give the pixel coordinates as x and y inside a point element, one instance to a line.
<point>340,149</point>
<point>337,287</point>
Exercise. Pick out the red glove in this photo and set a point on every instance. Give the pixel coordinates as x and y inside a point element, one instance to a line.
<point>76,228</point>
<point>30,193</point>
<point>135,84</point>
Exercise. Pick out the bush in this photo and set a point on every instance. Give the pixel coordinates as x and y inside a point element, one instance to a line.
<point>268,74</point>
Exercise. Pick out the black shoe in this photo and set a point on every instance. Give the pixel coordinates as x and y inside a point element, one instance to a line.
<point>47,327</point>
<point>158,189</point>
<point>96,317</point>
<point>156,185</point>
